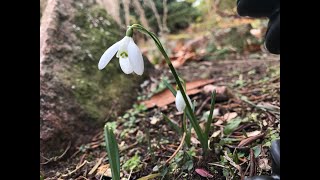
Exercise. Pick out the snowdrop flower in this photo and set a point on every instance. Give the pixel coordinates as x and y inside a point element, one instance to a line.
<point>130,56</point>
<point>180,103</point>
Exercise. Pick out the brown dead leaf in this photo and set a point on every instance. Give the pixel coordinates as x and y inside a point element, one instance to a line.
<point>208,89</point>
<point>165,97</point>
<point>154,120</point>
<point>182,59</point>
<point>253,133</point>
<point>263,164</point>
<point>216,133</point>
<point>199,83</point>
<point>219,122</point>
<point>95,166</point>
<point>194,140</point>
<point>248,140</point>
<point>229,116</point>
<point>268,106</point>
<point>104,170</point>
<point>223,93</point>
<point>203,173</point>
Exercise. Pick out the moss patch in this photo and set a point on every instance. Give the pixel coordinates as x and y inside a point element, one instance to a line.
<point>98,92</point>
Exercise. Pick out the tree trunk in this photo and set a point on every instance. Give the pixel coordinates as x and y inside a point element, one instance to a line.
<point>155,12</point>
<point>113,9</point>
<point>141,13</point>
<point>126,4</point>
<point>165,16</point>
<point>75,97</point>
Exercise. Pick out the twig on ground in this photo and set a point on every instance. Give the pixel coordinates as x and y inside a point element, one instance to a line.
<point>75,170</point>
<point>202,105</point>
<point>252,164</point>
<point>56,158</point>
<point>175,153</point>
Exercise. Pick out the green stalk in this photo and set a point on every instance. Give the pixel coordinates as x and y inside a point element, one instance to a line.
<point>210,119</point>
<point>189,111</point>
<point>113,152</point>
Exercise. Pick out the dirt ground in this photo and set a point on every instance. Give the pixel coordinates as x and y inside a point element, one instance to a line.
<point>253,96</point>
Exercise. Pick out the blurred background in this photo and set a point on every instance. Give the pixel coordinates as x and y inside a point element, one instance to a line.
<point>204,39</point>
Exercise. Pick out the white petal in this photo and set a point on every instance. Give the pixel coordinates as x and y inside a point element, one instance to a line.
<point>135,58</point>
<point>108,54</point>
<point>180,104</point>
<point>123,45</point>
<point>126,66</point>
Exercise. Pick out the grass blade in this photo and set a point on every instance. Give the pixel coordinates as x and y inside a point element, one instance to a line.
<point>113,152</point>
<point>210,119</point>
<point>172,124</point>
<point>173,91</point>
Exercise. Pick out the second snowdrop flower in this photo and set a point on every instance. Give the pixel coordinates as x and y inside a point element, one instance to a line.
<point>180,103</point>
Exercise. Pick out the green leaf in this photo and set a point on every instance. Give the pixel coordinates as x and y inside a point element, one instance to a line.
<point>113,151</point>
<point>188,165</point>
<point>232,125</point>
<point>256,150</point>
<point>173,91</point>
<point>244,133</point>
<point>112,125</point>
<point>172,124</point>
<point>164,171</point>
<point>150,176</point>
<point>132,163</point>
<point>126,115</point>
<point>235,157</point>
<point>210,119</point>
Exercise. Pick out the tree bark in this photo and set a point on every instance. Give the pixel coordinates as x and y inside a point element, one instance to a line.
<point>113,9</point>
<point>155,11</point>
<point>141,13</point>
<point>126,4</point>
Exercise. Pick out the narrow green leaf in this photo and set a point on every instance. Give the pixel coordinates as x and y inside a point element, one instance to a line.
<point>231,126</point>
<point>210,118</point>
<point>150,176</point>
<point>169,86</point>
<point>172,124</point>
<point>235,157</point>
<point>113,152</point>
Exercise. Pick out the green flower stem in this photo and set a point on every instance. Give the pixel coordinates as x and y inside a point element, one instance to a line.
<point>210,118</point>
<point>190,113</point>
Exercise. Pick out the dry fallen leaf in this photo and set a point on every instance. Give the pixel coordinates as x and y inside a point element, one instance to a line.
<point>219,122</point>
<point>253,133</point>
<point>104,170</point>
<point>165,97</point>
<point>248,140</point>
<point>208,89</point>
<point>182,59</point>
<point>216,112</point>
<point>95,166</point>
<point>216,133</point>
<point>203,173</point>
<point>263,164</point>
<point>154,120</point>
<point>194,140</point>
<point>229,116</point>
<point>268,105</point>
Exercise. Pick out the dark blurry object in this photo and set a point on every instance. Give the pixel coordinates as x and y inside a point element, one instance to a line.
<point>264,8</point>
<point>275,155</point>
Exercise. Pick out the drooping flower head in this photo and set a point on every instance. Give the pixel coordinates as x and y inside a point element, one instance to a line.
<point>180,103</point>
<point>130,56</point>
